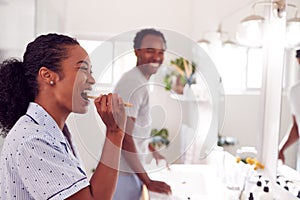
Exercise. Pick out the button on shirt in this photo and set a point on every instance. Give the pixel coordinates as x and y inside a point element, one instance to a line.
<point>37,161</point>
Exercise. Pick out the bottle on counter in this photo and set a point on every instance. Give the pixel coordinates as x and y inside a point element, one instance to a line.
<point>265,194</point>
<point>251,196</point>
<point>257,189</point>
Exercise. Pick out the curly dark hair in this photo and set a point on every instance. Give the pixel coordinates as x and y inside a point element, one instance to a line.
<point>18,80</point>
<point>142,33</point>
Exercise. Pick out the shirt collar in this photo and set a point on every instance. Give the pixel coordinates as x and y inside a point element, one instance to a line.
<point>142,76</point>
<point>42,117</point>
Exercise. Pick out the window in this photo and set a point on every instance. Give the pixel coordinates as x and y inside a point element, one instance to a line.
<point>102,53</point>
<point>239,67</point>
<point>254,69</point>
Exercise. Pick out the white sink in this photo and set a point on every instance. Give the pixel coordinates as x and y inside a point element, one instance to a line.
<point>190,182</point>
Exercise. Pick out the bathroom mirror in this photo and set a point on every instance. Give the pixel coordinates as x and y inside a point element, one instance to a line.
<point>191,120</point>
<point>291,77</point>
<point>63,20</point>
<point>289,173</point>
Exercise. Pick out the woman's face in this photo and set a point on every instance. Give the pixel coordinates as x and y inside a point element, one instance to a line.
<point>75,81</point>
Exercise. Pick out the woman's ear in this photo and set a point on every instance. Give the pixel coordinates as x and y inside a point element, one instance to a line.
<point>47,76</point>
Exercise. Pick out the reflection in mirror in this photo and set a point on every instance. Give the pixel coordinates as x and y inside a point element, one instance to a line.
<point>191,121</point>
<point>289,173</point>
<point>291,77</point>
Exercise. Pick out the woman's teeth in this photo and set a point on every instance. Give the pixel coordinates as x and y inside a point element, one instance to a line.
<point>84,95</point>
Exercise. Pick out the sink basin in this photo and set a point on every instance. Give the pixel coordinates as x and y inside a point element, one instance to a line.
<point>189,182</point>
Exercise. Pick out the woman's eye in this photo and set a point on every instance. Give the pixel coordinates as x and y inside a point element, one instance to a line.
<point>84,68</point>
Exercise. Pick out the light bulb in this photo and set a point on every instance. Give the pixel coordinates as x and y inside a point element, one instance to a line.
<point>293,32</point>
<point>250,31</point>
<point>204,44</point>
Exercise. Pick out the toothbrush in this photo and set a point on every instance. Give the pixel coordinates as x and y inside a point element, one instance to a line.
<point>126,104</point>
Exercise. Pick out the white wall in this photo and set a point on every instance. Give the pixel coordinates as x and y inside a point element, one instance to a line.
<point>99,17</point>
<point>242,121</point>
<point>17,27</point>
<point>107,18</point>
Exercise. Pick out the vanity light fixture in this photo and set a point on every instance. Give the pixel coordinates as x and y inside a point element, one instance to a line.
<point>293,32</point>
<point>293,29</point>
<point>250,30</point>
<point>219,36</point>
<point>204,44</point>
<point>229,44</point>
<point>225,37</point>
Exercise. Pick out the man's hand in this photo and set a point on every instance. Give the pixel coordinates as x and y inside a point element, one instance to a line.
<point>157,156</point>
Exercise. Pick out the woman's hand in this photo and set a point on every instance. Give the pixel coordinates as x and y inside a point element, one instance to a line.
<point>111,109</point>
<point>159,186</point>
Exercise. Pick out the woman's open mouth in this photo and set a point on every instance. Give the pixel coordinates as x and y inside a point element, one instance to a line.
<point>84,95</point>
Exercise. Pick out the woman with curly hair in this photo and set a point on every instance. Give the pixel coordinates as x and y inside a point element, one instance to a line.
<point>37,94</point>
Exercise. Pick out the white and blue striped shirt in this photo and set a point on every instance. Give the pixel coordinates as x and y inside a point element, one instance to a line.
<point>37,161</point>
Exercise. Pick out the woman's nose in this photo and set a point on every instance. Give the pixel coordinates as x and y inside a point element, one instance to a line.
<point>91,80</point>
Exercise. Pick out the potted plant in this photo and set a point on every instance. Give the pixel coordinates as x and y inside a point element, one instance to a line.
<point>182,74</point>
<point>159,138</point>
